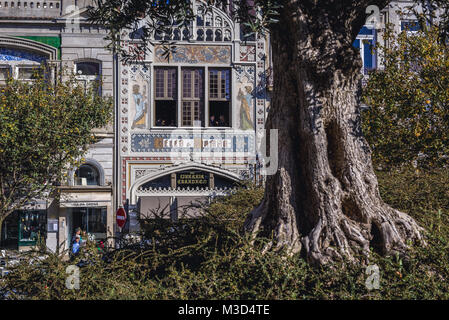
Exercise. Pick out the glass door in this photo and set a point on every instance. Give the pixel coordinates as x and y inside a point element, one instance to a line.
<point>32,227</point>
<point>9,238</point>
<point>90,220</point>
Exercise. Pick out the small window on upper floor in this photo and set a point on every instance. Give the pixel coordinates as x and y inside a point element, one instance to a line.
<point>87,69</point>
<point>219,97</point>
<point>87,175</point>
<point>5,72</point>
<point>89,73</point>
<point>410,25</point>
<point>29,72</point>
<point>165,97</point>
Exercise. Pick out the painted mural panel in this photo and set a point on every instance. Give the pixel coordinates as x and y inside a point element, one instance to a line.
<point>138,99</point>
<point>245,96</point>
<point>193,54</point>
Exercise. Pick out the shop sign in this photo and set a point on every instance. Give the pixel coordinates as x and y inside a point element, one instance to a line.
<point>52,225</point>
<point>82,204</point>
<point>192,179</point>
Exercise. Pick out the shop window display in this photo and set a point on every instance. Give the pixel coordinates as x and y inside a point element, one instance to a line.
<point>91,220</point>
<point>32,226</point>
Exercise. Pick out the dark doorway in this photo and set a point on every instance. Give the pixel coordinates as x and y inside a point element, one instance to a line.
<point>90,220</point>
<point>9,238</point>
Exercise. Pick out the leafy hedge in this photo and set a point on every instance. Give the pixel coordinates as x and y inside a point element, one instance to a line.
<point>210,258</point>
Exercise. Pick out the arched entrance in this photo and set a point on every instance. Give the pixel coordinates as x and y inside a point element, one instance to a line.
<point>177,192</point>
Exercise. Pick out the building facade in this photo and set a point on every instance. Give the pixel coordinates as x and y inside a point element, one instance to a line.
<point>35,32</point>
<point>188,118</point>
<point>188,121</point>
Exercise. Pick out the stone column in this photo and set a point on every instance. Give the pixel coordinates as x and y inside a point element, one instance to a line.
<point>110,218</point>
<point>63,242</point>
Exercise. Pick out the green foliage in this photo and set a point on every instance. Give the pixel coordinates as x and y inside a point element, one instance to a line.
<point>211,258</point>
<point>434,12</point>
<point>45,128</point>
<point>408,118</point>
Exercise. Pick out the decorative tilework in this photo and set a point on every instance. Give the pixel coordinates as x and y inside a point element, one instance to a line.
<point>164,142</point>
<point>245,71</point>
<point>248,53</point>
<point>194,54</point>
<point>7,54</point>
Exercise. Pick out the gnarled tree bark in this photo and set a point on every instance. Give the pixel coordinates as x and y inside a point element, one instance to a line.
<point>324,199</point>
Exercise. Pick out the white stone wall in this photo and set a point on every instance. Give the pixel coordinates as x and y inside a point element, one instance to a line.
<point>84,43</point>
<point>102,153</point>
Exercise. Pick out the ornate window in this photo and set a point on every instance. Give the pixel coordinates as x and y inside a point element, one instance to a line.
<point>165,96</point>
<point>219,97</point>
<point>192,97</point>
<point>212,26</point>
<point>209,25</point>
<point>209,19</point>
<point>87,175</point>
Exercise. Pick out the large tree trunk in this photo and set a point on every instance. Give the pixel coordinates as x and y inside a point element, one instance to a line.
<point>324,199</point>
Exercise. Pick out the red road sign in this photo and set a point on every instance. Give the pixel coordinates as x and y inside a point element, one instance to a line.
<point>121,217</point>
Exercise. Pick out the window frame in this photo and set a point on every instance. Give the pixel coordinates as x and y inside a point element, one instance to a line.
<point>363,38</point>
<point>6,66</point>
<point>407,22</point>
<point>220,96</point>
<point>192,99</point>
<point>14,69</point>
<point>166,97</point>
<point>87,79</point>
<point>25,66</point>
<point>98,177</point>
<point>179,67</point>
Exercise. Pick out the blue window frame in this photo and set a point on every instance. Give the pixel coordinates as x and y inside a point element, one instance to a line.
<point>410,25</point>
<point>365,42</point>
<point>369,54</point>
